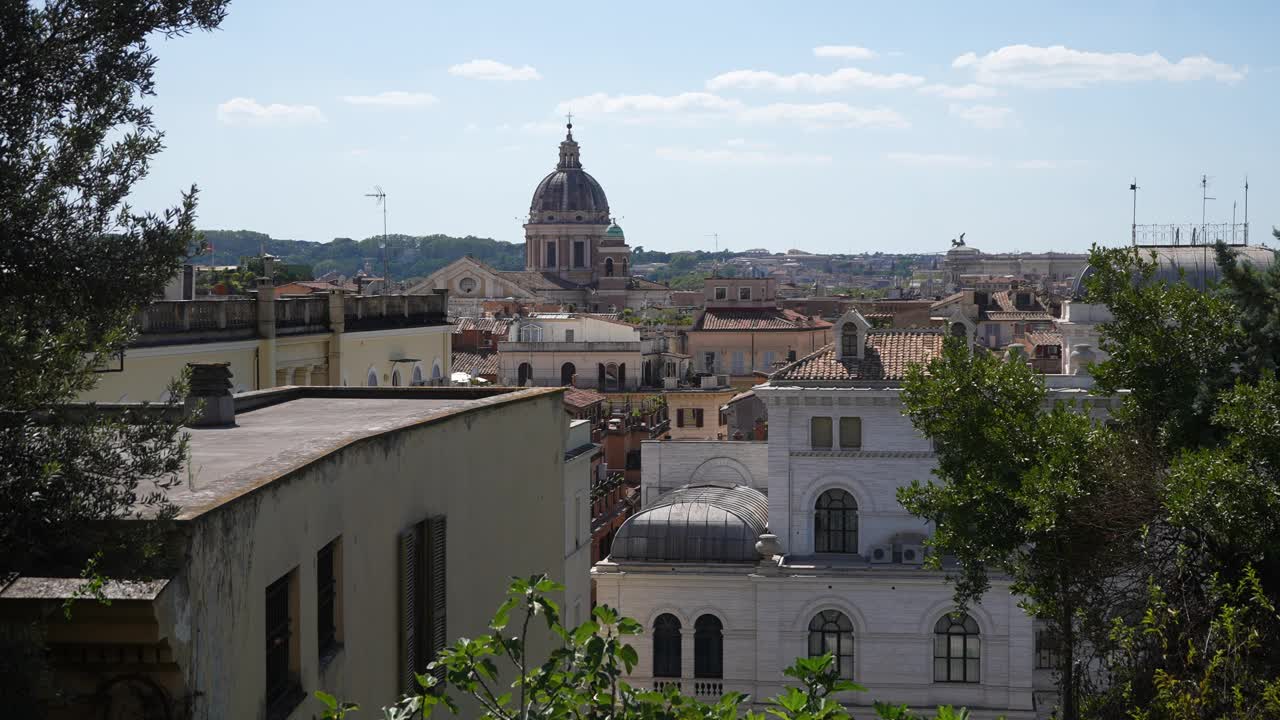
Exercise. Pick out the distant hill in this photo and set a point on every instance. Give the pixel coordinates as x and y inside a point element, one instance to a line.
<point>408,256</point>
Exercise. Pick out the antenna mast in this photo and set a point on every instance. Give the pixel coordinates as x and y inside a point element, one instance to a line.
<point>1246,209</point>
<point>1133,187</point>
<point>381,199</point>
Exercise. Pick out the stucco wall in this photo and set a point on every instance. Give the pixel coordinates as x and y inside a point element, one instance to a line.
<point>755,347</point>
<point>148,371</point>
<point>506,515</point>
<point>668,464</point>
<point>362,351</point>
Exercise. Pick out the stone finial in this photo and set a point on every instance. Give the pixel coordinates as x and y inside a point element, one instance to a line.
<point>768,545</point>
<point>209,402</point>
<point>1082,356</point>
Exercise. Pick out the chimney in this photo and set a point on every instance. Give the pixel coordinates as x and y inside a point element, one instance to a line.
<point>209,402</point>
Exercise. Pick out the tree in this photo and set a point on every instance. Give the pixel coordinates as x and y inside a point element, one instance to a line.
<point>1017,483</point>
<point>75,263</point>
<point>581,677</point>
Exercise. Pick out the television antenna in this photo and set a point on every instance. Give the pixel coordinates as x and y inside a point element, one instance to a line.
<point>380,198</point>
<point>1204,200</point>
<point>1133,188</point>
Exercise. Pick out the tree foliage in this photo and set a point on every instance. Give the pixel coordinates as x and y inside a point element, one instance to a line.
<point>76,261</point>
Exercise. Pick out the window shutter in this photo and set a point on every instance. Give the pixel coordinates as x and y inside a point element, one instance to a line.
<point>697,417</point>
<point>680,417</point>
<point>437,591</point>
<point>408,601</point>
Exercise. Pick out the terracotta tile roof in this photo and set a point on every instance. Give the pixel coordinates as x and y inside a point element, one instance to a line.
<point>953,297</point>
<point>1044,338</point>
<point>757,319</point>
<point>476,363</point>
<point>1007,309</point>
<point>490,325</point>
<point>889,354</point>
<point>581,398</point>
<point>534,281</point>
<point>643,284</point>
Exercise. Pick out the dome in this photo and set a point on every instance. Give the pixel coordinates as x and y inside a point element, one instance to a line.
<point>707,523</point>
<point>613,231</point>
<point>569,194</point>
<point>1196,264</point>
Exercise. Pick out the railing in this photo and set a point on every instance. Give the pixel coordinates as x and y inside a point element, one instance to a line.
<point>378,312</point>
<point>662,685</point>
<point>708,688</point>
<point>181,316</point>
<point>1191,234</point>
<point>302,312</point>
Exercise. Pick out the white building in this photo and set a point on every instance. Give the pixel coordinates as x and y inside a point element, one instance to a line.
<point>733,582</point>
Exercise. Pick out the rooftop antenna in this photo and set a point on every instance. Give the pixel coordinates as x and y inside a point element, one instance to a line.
<point>1204,252</point>
<point>1246,209</point>
<point>380,198</point>
<point>1133,188</point>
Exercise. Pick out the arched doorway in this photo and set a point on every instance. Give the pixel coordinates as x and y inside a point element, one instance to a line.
<point>567,371</point>
<point>523,374</point>
<point>608,267</point>
<point>372,378</point>
<point>417,376</point>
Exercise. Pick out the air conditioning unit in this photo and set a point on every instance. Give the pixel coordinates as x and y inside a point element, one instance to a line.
<point>881,554</point>
<point>912,554</point>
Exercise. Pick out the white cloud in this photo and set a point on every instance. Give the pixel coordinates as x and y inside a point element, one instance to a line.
<point>987,117</point>
<point>393,98</point>
<point>822,115</point>
<point>493,70</point>
<point>972,91</point>
<point>694,107</point>
<point>247,111</point>
<point>1036,165</point>
<point>1063,67</point>
<point>835,81</point>
<point>844,52</point>
<point>738,156</point>
<point>939,160</point>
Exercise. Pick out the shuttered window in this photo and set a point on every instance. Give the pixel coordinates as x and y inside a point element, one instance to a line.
<point>410,620</point>
<point>697,417</point>
<point>437,596</point>
<point>327,605</point>
<point>680,417</point>
<point>423,598</point>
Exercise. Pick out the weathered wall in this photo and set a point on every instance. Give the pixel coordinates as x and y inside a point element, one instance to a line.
<point>506,515</point>
<point>668,464</point>
<point>709,402</point>
<point>363,351</point>
<point>148,371</point>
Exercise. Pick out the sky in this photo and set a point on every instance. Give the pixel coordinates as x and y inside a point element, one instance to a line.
<point>826,126</point>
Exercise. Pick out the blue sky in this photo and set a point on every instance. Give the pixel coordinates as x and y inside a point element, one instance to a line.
<point>836,127</point>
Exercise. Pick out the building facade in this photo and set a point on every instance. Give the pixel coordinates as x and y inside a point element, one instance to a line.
<point>741,331</point>
<point>552,349</point>
<point>333,338</point>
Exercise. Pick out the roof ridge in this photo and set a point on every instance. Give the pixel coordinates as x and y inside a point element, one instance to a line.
<point>810,356</point>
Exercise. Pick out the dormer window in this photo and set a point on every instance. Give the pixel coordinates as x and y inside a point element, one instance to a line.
<point>849,341</point>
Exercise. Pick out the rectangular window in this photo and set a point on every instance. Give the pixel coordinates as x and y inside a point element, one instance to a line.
<point>680,417</point>
<point>744,293</point>
<point>568,336</point>
<point>551,254</point>
<point>697,417</point>
<point>710,359</point>
<point>739,363</point>
<point>820,433</point>
<point>283,692</point>
<point>850,433</point>
<point>1046,650</point>
<point>422,598</point>
<point>579,254</point>
<point>328,600</point>
<point>722,293</point>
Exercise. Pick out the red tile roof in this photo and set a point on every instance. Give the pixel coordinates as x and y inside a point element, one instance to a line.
<point>476,363</point>
<point>889,354</point>
<point>580,398</point>
<point>1044,338</point>
<point>757,319</point>
<point>491,325</point>
<point>1016,315</point>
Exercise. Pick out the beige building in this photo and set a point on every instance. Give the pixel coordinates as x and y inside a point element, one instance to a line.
<point>741,330</point>
<point>332,338</point>
<point>570,349</point>
<point>332,538</point>
<point>695,411</point>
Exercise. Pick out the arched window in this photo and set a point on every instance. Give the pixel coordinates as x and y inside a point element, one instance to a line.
<point>523,374</point>
<point>372,379</point>
<point>395,378</point>
<point>956,649</point>
<point>708,647</point>
<point>417,376</point>
<point>567,371</point>
<point>835,523</point>
<point>436,372</point>
<point>608,267</point>
<point>611,377</point>
<point>666,646</point>
<point>830,631</point>
<point>531,333</point>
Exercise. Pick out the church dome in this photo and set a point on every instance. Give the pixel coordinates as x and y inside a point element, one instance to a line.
<point>569,194</point>
<point>706,523</point>
<point>614,231</point>
<point>1196,265</point>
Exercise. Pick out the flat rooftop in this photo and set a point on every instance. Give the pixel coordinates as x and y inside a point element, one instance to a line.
<point>288,429</point>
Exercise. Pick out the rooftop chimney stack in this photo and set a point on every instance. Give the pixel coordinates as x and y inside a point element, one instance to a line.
<point>209,403</point>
